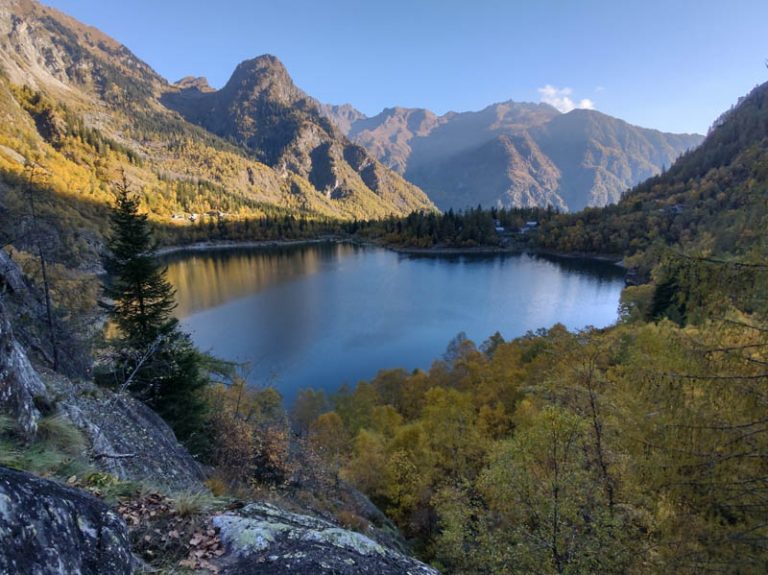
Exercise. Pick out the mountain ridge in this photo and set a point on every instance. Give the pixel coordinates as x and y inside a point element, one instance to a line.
<point>607,155</point>
<point>710,202</point>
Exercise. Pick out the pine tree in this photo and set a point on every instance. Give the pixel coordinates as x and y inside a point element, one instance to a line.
<point>153,358</point>
<point>143,298</point>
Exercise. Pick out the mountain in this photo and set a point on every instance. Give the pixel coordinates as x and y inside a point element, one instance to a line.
<point>83,109</point>
<point>711,201</point>
<point>600,157</point>
<point>515,154</point>
<point>261,109</point>
<point>342,116</point>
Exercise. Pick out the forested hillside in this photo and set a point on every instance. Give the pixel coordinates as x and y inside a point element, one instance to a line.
<point>632,450</point>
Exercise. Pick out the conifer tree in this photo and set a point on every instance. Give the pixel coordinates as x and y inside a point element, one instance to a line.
<point>143,298</point>
<point>153,358</point>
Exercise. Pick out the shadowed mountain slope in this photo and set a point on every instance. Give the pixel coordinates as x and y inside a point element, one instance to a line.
<point>514,154</point>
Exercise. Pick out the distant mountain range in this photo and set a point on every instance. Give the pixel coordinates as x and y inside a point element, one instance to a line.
<point>262,110</point>
<point>514,154</point>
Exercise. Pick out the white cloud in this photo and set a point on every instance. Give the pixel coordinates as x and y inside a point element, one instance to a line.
<point>561,99</point>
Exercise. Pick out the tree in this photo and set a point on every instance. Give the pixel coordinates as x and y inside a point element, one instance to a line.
<point>549,517</point>
<point>153,358</point>
<point>143,298</point>
<point>38,241</point>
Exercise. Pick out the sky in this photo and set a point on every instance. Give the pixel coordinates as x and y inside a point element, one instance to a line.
<point>673,65</point>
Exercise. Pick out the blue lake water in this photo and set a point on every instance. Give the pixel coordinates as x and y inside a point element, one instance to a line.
<point>324,315</point>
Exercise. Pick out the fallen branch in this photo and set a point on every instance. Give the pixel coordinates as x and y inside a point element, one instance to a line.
<point>114,455</point>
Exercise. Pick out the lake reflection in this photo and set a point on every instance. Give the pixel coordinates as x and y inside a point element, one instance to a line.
<point>323,315</point>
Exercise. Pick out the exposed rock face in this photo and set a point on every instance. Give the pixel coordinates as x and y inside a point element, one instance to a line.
<point>265,539</point>
<point>46,528</point>
<point>11,279</point>
<point>128,439</point>
<point>43,47</point>
<point>24,309</point>
<point>19,382</point>
<point>199,83</point>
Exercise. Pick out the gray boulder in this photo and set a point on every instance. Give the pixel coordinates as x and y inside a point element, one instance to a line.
<point>264,539</point>
<point>46,528</point>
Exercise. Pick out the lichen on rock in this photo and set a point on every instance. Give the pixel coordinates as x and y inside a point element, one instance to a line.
<point>47,528</point>
<point>262,538</point>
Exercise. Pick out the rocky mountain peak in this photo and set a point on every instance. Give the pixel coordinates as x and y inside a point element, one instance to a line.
<point>197,83</point>
<point>262,110</point>
<point>263,77</point>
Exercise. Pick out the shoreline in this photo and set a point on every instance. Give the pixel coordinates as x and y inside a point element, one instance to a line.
<point>615,260</point>
<point>214,245</point>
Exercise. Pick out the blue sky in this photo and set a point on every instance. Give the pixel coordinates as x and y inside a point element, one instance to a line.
<point>674,65</point>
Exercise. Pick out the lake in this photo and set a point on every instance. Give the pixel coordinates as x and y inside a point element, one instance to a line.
<point>323,315</point>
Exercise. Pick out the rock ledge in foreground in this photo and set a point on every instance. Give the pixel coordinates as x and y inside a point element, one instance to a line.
<point>46,528</point>
<point>264,539</point>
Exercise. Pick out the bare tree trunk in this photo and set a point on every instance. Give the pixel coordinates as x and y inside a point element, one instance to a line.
<point>44,270</point>
<point>49,311</point>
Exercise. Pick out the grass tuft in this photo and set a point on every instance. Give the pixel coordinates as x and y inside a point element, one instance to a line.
<point>191,503</point>
<point>57,433</point>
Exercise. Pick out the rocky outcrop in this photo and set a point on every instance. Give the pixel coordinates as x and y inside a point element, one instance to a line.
<point>20,385</point>
<point>262,538</point>
<point>24,308</point>
<point>199,83</point>
<point>127,439</point>
<point>41,47</point>
<point>130,441</point>
<point>46,528</point>
<point>343,116</point>
<point>11,278</point>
